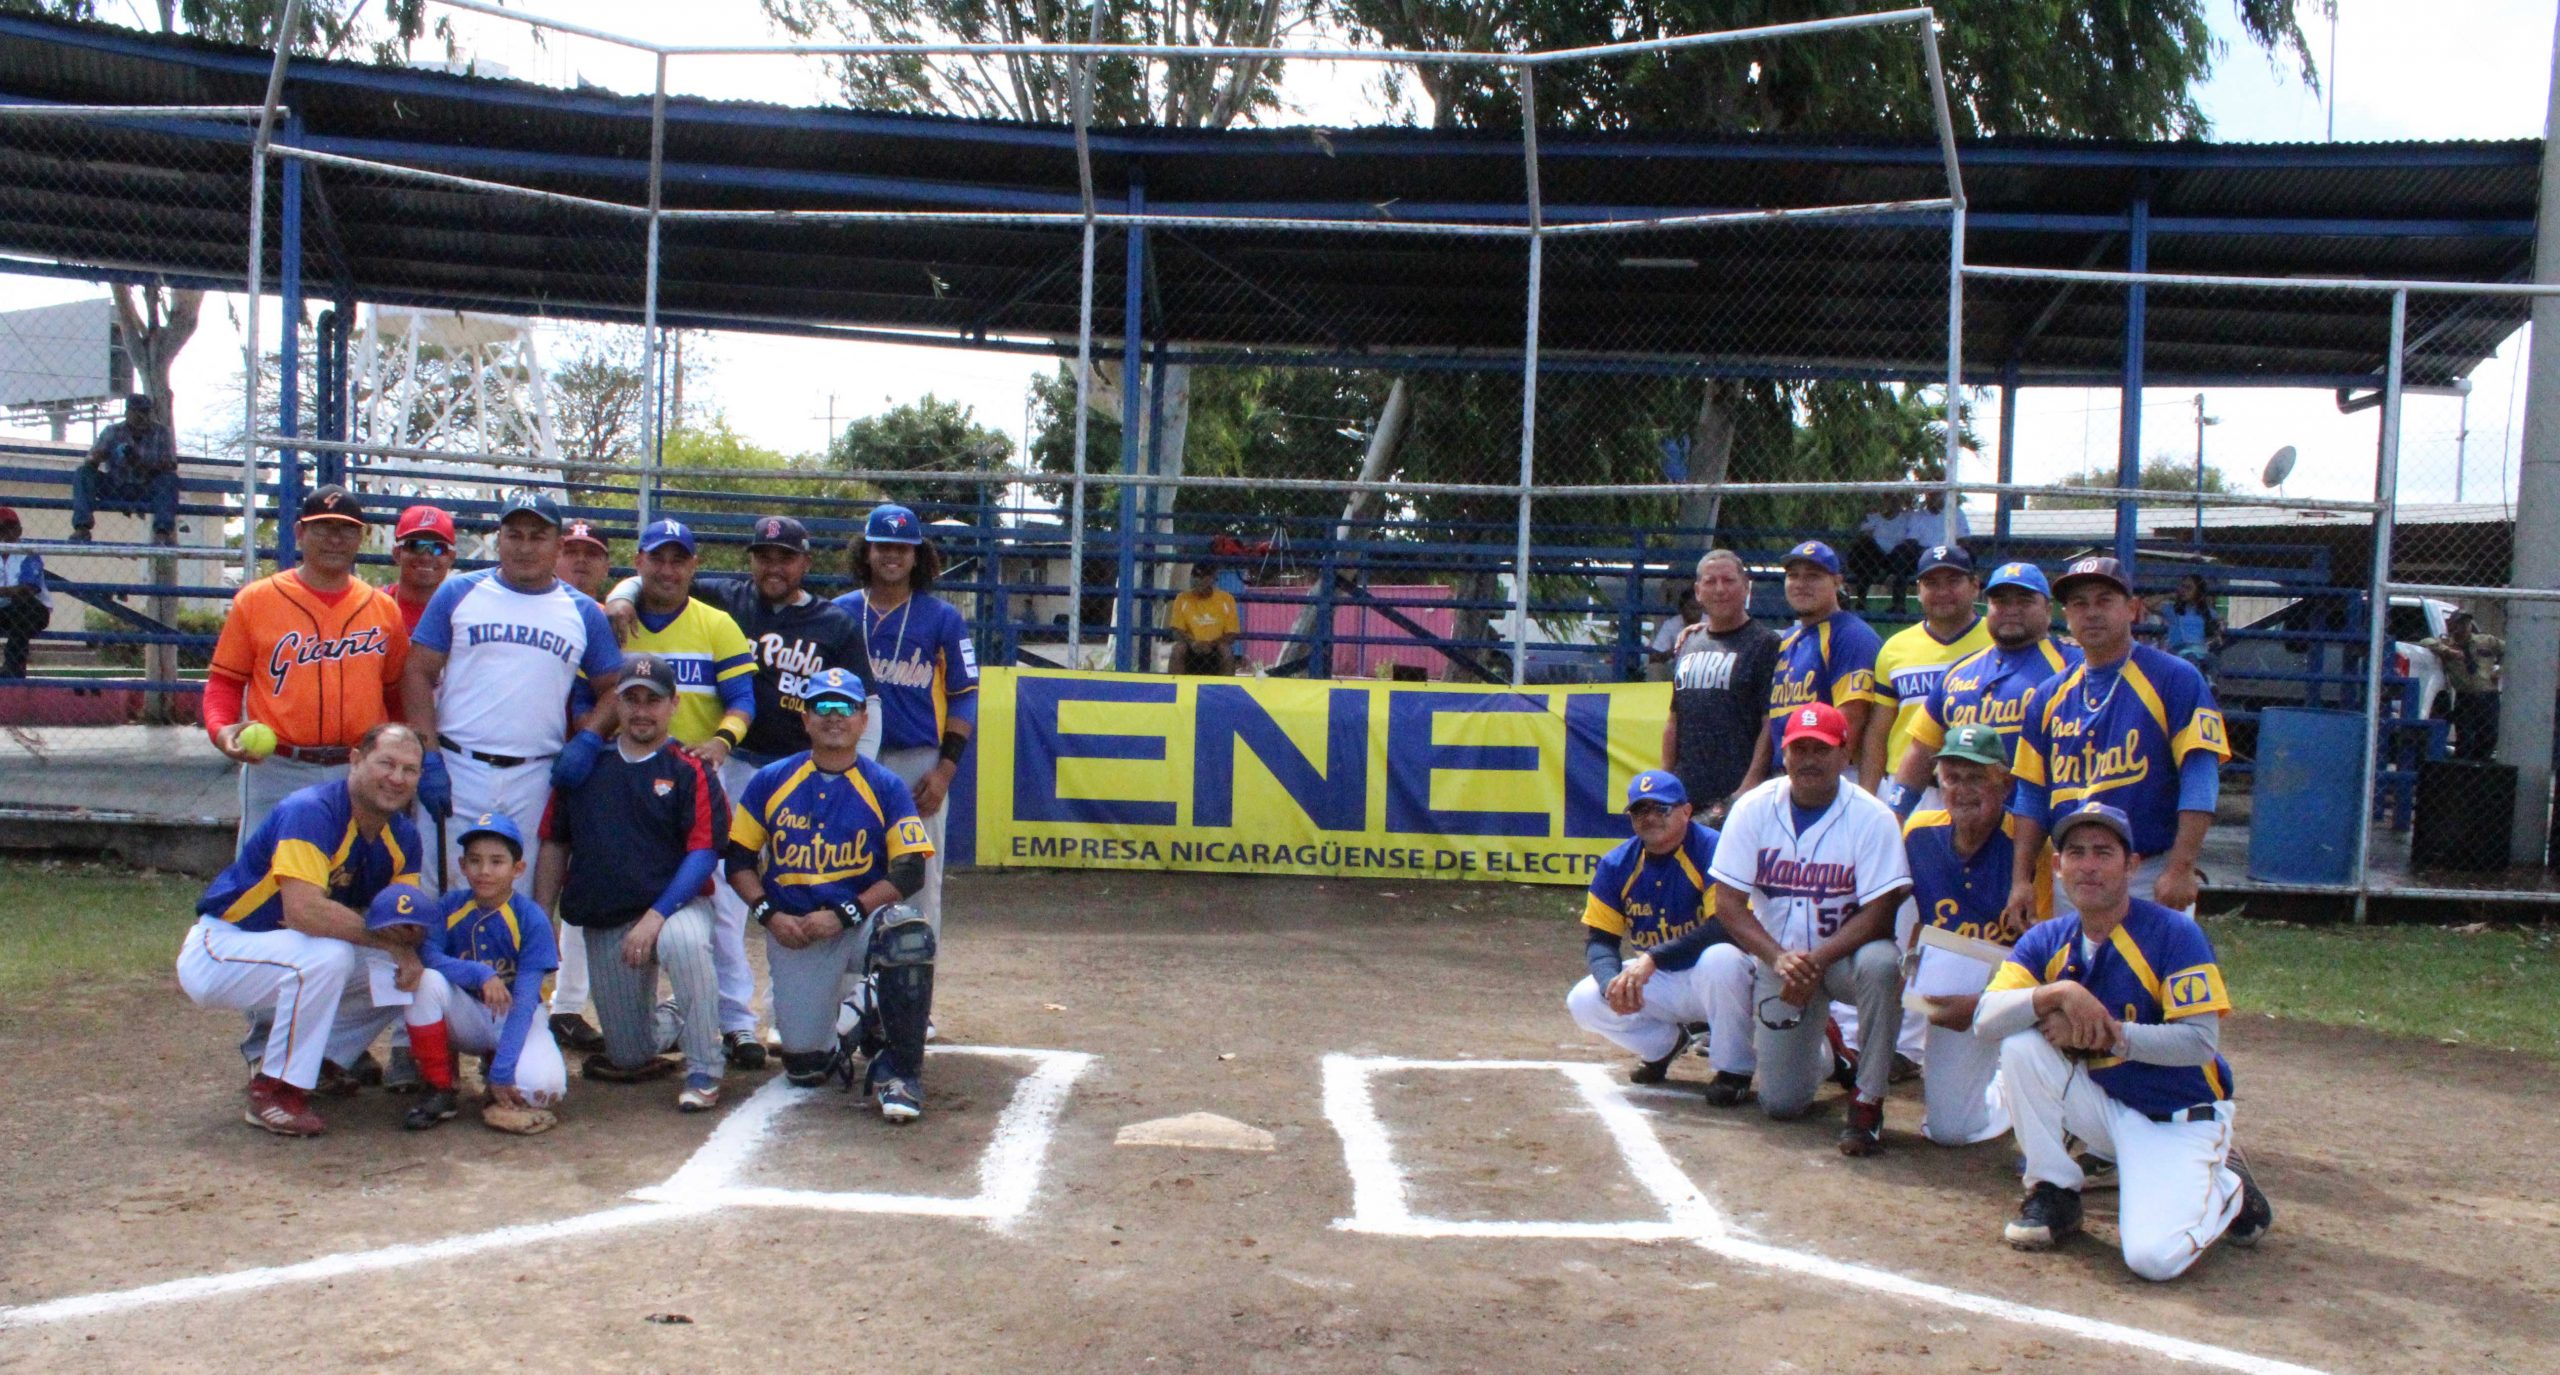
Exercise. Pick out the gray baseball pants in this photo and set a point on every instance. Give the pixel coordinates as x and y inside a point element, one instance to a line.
<point>1795,1062</point>
<point>625,998</point>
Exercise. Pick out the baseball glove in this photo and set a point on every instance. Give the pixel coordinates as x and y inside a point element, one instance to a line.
<point>517,1121</point>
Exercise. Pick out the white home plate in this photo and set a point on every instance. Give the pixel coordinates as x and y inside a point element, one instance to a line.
<point>1201,1131</point>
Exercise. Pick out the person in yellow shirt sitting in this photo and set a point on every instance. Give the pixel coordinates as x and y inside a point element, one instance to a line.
<point>1205,626</point>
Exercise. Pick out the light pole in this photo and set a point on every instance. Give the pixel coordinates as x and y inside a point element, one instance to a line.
<point>2202,420</point>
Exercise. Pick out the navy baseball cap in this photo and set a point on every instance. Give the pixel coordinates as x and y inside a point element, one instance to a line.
<point>2025,575</point>
<point>661,532</point>
<point>333,502</point>
<point>401,904</point>
<point>2096,568</point>
<point>1656,785</point>
<point>892,525</point>
<point>780,532</point>
<point>1815,552</point>
<point>2093,814</point>
<point>646,670</point>
<point>497,824</point>
<point>1939,556</point>
<point>534,502</point>
<point>842,684</point>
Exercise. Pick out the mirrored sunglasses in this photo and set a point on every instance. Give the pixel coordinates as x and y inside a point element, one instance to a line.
<point>432,548</point>
<point>833,706</point>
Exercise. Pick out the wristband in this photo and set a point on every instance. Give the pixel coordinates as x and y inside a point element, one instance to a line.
<point>954,744</point>
<point>1901,799</point>
<point>761,913</point>
<point>728,735</point>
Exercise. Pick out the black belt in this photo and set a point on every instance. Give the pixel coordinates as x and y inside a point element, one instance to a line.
<point>495,761</point>
<point>2201,1112</point>
<point>331,755</point>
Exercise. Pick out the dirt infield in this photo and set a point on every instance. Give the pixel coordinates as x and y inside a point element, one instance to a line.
<point>2417,1227</point>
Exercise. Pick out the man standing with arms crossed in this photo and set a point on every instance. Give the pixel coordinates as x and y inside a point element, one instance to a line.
<point>2133,726</point>
<point>1989,687</point>
<point>1827,656</point>
<point>795,635</point>
<point>924,672</point>
<point>488,685</point>
<point>1720,674</point>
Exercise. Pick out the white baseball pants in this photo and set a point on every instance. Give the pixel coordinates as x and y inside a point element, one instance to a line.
<point>1671,997</point>
<point>323,1008</point>
<point>272,780</point>
<point>471,1028</point>
<point>729,923</point>
<point>910,764</point>
<point>521,793</point>
<point>1960,1073</point>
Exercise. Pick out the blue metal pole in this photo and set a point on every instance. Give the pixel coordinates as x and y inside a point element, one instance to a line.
<point>289,388</point>
<point>1132,344</point>
<point>1159,531</point>
<point>2129,432</point>
<point>2008,456</point>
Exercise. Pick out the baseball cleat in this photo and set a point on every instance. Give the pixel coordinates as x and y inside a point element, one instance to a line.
<point>279,1107</point>
<point>744,1049</point>
<point>1727,1090</point>
<point>402,1076</point>
<point>2096,1171</point>
<point>366,1071</point>
<point>336,1081</point>
<point>1905,1069</point>
<point>2256,1213</point>
<point>436,1109</point>
<point>701,1094</point>
<point>1655,1071</point>
<point>606,1071</point>
<point>901,1099</point>
<point>1697,1038</point>
<point>573,1032</point>
<point>1864,1134</point>
<point>2045,1220</point>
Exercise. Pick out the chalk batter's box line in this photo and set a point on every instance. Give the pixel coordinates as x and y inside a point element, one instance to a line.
<point>1381,1206</point>
<point>1009,1171</point>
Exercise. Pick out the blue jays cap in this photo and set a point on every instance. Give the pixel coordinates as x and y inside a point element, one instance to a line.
<point>842,684</point>
<point>1656,785</point>
<point>2025,575</point>
<point>2093,814</point>
<point>401,904</point>
<point>780,532</point>
<point>534,502</point>
<point>1939,556</point>
<point>497,824</point>
<point>2096,568</point>
<point>1815,552</point>
<point>662,532</point>
<point>892,525</point>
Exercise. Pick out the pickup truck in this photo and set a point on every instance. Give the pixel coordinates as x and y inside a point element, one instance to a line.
<point>2273,661</point>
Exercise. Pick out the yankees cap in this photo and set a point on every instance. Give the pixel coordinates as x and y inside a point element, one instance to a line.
<point>537,504</point>
<point>1656,785</point>
<point>1816,721</point>
<point>780,532</point>
<point>1939,556</point>
<point>1815,552</point>
<point>892,524</point>
<point>333,502</point>
<point>2025,575</point>
<point>646,670</point>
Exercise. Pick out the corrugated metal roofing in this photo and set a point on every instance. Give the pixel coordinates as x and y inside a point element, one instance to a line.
<point>1861,298</point>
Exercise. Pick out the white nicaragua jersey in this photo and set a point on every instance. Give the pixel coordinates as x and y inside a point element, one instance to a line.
<point>511,660</point>
<point>1805,877</point>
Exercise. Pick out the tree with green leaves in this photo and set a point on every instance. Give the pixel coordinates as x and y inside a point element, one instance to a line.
<point>927,436</point>
<point>2165,473</point>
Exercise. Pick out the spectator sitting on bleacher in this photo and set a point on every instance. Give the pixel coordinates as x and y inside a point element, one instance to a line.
<point>1205,626</point>
<point>25,607</point>
<point>132,466</point>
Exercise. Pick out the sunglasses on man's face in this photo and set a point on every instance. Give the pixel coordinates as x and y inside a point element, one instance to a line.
<point>1647,811</point>
<point>432,548</point>
<point>833,706</point>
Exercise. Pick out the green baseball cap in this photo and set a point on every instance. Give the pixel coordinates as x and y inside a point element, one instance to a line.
<point>1977,742</point>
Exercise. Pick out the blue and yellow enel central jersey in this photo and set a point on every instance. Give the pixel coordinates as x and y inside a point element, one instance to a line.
<point>1989,688</point>
<point>822,838</point>
<point>1650,900</point>
<point>311,836</point>
<point>2122,735</point>
<point>1965,895</point>
<point>1833,660</point>
<point>2157,967</point>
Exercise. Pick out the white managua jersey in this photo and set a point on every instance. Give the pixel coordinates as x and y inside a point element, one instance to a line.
<point>1807,873</point>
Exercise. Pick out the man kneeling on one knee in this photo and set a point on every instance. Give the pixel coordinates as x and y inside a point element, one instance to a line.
<point>2148,1088</point>
<point>1650,892</point>
<point>1808,873</point>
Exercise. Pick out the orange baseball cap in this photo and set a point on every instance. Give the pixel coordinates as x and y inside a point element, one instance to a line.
<point>1816,721</point>
<point>423,520</point>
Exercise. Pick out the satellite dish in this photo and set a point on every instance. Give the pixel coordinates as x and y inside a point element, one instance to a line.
<point>2279,468</point>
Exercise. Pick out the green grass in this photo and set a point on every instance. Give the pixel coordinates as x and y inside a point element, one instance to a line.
<point>67,923</point>
<point>2484,987</point>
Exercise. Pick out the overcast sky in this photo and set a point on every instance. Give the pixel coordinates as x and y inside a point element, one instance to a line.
<point>2452,69</point>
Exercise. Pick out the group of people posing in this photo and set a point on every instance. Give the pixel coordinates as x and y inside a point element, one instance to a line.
<point>434,772</point>
<point>1966,853</point>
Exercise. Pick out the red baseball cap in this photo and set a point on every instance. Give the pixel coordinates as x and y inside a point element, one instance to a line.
<point>8,515</point>
<point>423,520</point>
<point>1816,721</point>
<point>579,532</point>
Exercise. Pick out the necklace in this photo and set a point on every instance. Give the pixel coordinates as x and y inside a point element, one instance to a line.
<point>2100,705</point>
<point>874,620</point>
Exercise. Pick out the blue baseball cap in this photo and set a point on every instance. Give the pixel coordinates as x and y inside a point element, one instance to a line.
<point>401,904</point>
<point>497,824</point>
<point>2025,575</point>
<point>839,683</point>
<point>1815,552</point>
<point>780,532</point>
<point>1939,556</point>
<point>2093,814</point>
<point>666,532</point>
<point>1656,785</point>
<point>538,503</point>
<point>892,525</point>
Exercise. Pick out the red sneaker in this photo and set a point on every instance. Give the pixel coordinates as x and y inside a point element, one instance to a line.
<point>279,1107</point>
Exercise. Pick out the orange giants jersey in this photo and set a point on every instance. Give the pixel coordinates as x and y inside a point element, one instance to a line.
<point>318,672</point>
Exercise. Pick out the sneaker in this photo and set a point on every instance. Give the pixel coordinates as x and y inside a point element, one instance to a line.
<point>1864,1134</point>
<point>605,1071</point>
<point>1727,1090</point>
<point>745,1050</point>
<point>336,1081</point>
<point>1655,1071</point>
<point>366,1071</point>
<point>401,1075</point>
<point>279,1107</point>
<point>2048,1217</point>
<point>1905,1069</point>
<point>573,1032</point>
<point>2256,1213</point>
<point>701,1094</point>
<point>2096,1171</point>
<point>900,1099</point>
<point>436,1109</point>
<point>1697,1038</point>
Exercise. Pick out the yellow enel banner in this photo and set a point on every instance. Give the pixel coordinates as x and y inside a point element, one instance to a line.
<point>1284,776</point>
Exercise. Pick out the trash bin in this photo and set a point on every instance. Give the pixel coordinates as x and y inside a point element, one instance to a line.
<point>2465,816</point>
<point>2308,797</point>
